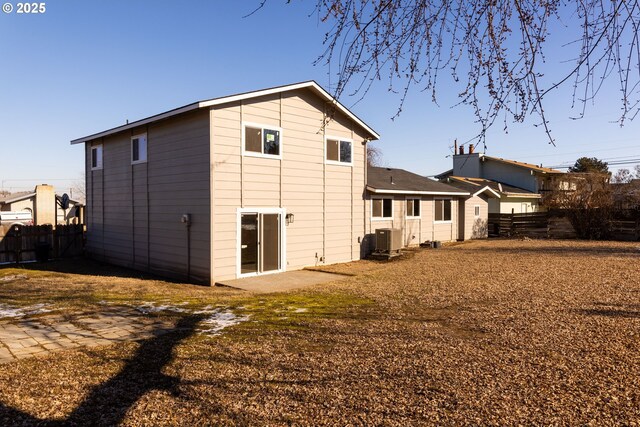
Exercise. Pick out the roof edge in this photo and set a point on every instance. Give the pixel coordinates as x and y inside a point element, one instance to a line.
<point>232,98</point>
<point>434,193</point>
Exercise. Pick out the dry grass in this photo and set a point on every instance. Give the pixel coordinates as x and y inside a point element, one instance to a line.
<point>494,332</point>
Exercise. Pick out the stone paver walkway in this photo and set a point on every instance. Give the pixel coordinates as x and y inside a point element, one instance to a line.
<point>29,337</point>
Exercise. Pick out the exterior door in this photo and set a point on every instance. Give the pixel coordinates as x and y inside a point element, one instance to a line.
<point>260,242</point>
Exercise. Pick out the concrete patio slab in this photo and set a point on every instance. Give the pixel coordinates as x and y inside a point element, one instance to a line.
<point>282,282</point>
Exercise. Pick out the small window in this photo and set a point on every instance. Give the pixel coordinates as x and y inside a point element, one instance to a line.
<point>413,208</point>
<point>96,157</point>
<point>262,141</point>
<point>139,149</point>
<point>476,210</point>
<point>339,151</point>
<point>443,210</point>
<point>381,208</point>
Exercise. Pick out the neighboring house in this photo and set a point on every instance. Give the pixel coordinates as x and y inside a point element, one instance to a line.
<point>242,185</point>
<point>518,176</point>
<point>424,209</point>
<point>43,206</point>
<point>508,199</point>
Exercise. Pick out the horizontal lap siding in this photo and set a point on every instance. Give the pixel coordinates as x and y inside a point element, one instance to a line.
<point>143,203</point>
<point>414,230</point>
<point>296,183</point>
<point>179,184</point>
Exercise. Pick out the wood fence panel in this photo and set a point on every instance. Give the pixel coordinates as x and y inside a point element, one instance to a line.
<point>20,243</point>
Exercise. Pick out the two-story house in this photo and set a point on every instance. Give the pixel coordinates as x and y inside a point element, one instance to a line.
<point>241,185</point>
<point>521,185</point>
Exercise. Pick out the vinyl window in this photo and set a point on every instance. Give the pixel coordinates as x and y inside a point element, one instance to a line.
<point>339,151</point>
<point>413,208</point>
<point>96,157</point>
<point>443,210</point>
<point>476,210</point>
<point>381,208</point>
<point>262,141</point>
<point>139,148</point>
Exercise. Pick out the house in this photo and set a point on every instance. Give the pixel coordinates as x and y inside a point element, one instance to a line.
<point>42,205</point>
<point>507,198</point>
<point>526,183</point>
<point>424,209</point>
<point>242,185</point>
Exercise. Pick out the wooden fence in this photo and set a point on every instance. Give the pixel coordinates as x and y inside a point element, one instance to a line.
<point>23,243</point>
<point>554,225</point>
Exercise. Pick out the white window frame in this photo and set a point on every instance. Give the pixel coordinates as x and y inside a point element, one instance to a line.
<point>444,221</point>
<point>381,218</point>
<point>339,139</point>
<point>262,128</point>
<point>419,208</point>
<point>476,211</point>
<point>99,158</point>
<point>146,146</point>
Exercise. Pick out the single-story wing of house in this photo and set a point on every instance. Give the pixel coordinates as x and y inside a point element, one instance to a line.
<point>424,209</point>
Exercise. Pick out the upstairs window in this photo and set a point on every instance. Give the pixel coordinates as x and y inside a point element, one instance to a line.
<point>139,148</point>
<point>96,157</point>
<point>262,141</point>
<point>339,151</point>
<point>381,208</point>
<point>413,208</point>
<point>476,210</point>
<point>443,210</point>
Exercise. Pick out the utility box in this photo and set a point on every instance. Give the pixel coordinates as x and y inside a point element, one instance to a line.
<point>388,240</point>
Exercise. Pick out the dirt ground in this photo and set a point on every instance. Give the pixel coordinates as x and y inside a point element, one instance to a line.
<point>500,332</point>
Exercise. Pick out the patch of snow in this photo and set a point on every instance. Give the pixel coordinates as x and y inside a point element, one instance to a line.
<point>7,311</point>
<point>299,310</point>
<point>149,307</point>
<point>219,320</point>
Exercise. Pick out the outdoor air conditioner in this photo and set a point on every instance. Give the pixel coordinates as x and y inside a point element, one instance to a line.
<point>388,240</point>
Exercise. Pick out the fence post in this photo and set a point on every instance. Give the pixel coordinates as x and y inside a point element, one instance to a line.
<point>512,226</point>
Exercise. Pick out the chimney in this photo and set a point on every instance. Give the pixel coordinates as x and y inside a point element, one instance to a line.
<point>455,147</point>
<point>471,147</point>
<point>462,149</point>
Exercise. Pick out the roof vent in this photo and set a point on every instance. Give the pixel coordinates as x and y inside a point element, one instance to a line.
<point>391,180</point>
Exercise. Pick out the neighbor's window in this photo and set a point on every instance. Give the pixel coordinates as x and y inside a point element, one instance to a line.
<point>139,148</point>
<point>413,208</point>
<point>381,208</point>
<point>476,210</point>
<point>262,140</point>
<point>339,151</point>
<point>443,210</point>
<point>96,157</point>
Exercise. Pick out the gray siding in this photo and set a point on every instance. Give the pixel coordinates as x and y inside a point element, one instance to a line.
<point>134,211</point>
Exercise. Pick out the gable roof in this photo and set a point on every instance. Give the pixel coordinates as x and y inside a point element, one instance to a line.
<point>16,197</point>
<point>533,167</point>
<point>470,184</point>
<point>474,188</point>
<point>400,181</point>
<point>311,84</point>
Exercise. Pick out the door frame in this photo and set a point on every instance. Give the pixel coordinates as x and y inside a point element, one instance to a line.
<point>282,212</point>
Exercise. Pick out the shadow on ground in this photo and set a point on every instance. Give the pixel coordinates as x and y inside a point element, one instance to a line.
<point>108,403</point>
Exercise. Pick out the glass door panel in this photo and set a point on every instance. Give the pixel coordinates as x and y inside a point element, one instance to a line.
<point>270,246</point>
<point>249,243</point>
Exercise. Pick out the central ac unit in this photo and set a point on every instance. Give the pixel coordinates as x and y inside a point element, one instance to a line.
<point>388,240</point>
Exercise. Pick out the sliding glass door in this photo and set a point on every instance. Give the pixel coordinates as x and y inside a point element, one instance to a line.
<point>260,242</point>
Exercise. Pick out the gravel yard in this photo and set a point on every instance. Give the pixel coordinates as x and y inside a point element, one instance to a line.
<point>489,332</point>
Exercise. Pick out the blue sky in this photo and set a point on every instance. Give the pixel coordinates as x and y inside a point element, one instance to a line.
<point>85,66</point>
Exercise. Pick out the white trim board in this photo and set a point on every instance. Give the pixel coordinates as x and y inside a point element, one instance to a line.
<point>426,193</point>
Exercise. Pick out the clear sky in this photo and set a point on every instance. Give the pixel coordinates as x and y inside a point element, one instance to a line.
<point>85,66</point>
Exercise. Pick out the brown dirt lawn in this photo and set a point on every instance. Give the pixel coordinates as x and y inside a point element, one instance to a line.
<point>490,332</point>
